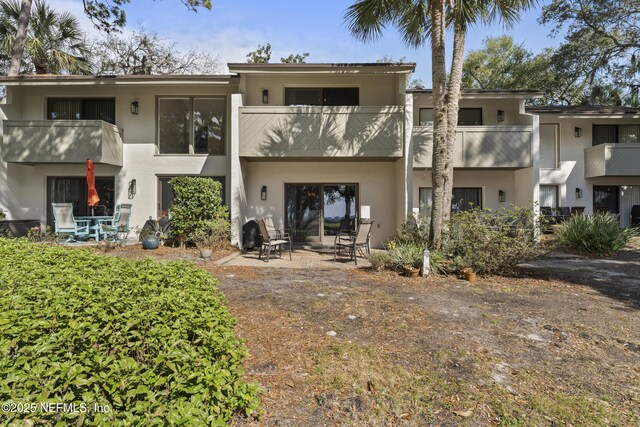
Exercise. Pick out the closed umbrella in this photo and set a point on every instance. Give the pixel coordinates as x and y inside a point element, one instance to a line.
<point>92,194</point>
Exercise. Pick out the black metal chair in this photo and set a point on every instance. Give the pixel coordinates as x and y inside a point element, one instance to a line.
<point>353,241</point>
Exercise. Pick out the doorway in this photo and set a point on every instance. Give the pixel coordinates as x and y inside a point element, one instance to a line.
<point>315,213</point>
<point>73,189</point>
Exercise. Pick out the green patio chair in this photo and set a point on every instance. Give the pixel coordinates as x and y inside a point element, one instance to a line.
<point>66,224</point>
<point>116,228</point>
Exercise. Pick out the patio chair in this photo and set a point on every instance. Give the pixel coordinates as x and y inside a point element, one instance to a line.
<point>562,213</point>
<point>65,223</point>
<point>358,240</point>
<point>116,228</point>
<point>274,240</point>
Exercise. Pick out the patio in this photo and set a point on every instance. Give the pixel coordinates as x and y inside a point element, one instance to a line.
<point>301,258</point>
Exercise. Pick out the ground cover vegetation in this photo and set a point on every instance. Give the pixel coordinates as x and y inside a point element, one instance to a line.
<point>598,234</point>
<point>480,240</point>
<point>152,341</point>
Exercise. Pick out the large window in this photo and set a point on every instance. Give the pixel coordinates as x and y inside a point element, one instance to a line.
<point>329,96</point>
<point>463,199</point>
<point>82,109</point>
<point>466,117</point>
<point>191,125</point>
<point>549,146</point>
<point>73,189</point>
<point>165,194</point>
<point>611,134</point>
<point>549,196</point>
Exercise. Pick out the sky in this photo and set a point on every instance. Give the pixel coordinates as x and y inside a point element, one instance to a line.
<point>231,29</point>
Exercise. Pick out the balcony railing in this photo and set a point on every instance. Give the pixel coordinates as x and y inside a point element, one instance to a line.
<point>61,141</point>
<point>479,147</point>
<point>612,160</point>
<point>369,132</point>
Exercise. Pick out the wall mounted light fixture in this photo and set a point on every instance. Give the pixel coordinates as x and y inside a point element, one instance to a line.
<point>577,132</point>
<point>265,96</point>
<point>132,188</point>
<point>502,196</point>
<point>500,116</point>
<point>134,108</point>
<point>578,193</point>
<point>263,193</point>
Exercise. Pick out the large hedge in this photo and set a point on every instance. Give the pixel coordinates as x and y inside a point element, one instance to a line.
<point>151,340</point>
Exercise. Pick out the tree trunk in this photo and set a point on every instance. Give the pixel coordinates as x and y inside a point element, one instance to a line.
<point>21,35</point>
<point>452,102</point>
<point>439,156</point>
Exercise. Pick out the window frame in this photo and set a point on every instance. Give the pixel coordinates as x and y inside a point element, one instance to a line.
<point>191,139</point>
<point>480,198</point>
<point>557,146</point>
<point>82,100</point>
<point>616,129</point>
<point>321,89</point>
<point>220,178</point>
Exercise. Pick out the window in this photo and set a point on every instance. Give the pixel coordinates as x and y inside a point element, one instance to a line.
<point>188,125</point>
<point>549,196</point>
<point>612,134</point>
<point>82,109</point>
<point>329,96</point>
<point>466,117</point>
<point>73,189</point>
<point>165,193</point>
<point>606,198</point>
<point>463,199</point>
<point>549,146</point>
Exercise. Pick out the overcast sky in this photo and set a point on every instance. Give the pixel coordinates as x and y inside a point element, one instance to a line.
<point>234,28</point>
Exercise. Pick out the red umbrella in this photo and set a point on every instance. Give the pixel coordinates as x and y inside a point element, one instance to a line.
<point>92,194</point>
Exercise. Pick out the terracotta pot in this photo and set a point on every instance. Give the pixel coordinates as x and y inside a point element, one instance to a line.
<point>206,253</point>
<point>470,276</point>
<point>411,271</point>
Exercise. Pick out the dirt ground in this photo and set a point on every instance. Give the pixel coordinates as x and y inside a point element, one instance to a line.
<point>547,346</point>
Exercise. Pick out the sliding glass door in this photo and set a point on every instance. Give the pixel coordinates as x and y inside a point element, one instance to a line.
<point>315,213</point>
<point>74,190</point>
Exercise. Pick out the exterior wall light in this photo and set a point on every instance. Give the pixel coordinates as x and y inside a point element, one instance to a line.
<point>132,188</point>
<point>134,108</point>
<point>500,116</point>
<point>502,196</point>
<point>578,193</point>
<point>265,96</point>
<point>577,132</point>
<point>263,193</point>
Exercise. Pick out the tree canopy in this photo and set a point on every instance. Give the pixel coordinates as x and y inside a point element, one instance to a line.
<point>262,55</point>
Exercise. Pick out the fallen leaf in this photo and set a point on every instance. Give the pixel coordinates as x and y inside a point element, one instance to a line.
<point>464,414</point>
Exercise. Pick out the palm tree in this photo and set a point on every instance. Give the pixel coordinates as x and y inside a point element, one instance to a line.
<point>54,42</point>
<point>419,21</point>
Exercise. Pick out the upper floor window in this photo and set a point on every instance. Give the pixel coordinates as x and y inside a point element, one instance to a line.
<point>82,109</point>
<point>549,146</point>
<point>611,134</point>
<point>466,117</point>
<point>191,125</point>
<point>329,96</point>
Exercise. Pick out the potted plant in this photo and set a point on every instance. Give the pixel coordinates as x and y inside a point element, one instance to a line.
<point>205,240</point>
<point>469,274</point>
<point>150,238</point>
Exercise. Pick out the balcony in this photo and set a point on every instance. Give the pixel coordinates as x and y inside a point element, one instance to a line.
<point>506,147</point>
<point>612,160</point>
<point>308,132</point>
<point>68,141</point>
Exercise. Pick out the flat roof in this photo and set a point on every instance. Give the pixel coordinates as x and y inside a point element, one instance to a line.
<point>355,67</point>
<point>525,93</point>
<point>138,79</point>
<point>586,110</point>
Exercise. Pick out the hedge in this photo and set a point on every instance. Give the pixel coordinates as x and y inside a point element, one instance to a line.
<point>151,341</point>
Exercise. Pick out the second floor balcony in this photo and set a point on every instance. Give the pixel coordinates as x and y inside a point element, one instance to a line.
<point>506,147</point>
<point>314,132</point>
<point>61,141</point>
<point>616,159</point>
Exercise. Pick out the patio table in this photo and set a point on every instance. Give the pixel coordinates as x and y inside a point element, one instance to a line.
<point>94,224</point>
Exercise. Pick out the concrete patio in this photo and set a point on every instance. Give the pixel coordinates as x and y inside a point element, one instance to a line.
<point>300,258</point>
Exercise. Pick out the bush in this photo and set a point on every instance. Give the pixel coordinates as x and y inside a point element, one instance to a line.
<point>151,340</point>
<point>598,234</point>
<point>214,234</point>
<point>196,201</point>
<point>491,242</point>
<point>413,231</point>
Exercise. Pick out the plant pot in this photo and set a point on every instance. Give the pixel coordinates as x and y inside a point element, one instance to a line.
<point>469,276</point>
<point>410,271</point>
<point>150,243</point>
<point>206,253</point>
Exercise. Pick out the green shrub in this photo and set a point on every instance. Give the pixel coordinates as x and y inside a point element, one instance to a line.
<point>414,231</point>
<point>599,234</point>
<point>491,242</point>
<point>151,340</point>
<point>196,200</point>
<point>214,234</point>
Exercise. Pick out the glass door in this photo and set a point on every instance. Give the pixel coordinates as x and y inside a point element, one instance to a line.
<point>606,199</point>
<point>74,190</point>
<point>302,211</point>
<point>315,213</point>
